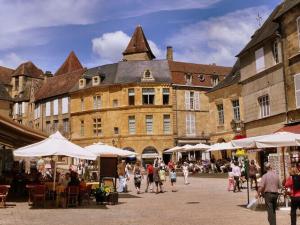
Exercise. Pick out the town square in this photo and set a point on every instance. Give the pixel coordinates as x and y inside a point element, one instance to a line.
<point>138,112</point>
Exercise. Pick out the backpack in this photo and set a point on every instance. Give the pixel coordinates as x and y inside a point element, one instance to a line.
<point>296,182</point>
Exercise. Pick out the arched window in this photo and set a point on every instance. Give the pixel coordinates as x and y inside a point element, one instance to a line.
<point>150,152</point>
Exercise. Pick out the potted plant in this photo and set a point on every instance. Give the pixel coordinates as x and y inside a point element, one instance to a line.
<point>102,193</point>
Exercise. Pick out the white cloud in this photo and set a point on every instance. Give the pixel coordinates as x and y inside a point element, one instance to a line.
<point>109,46</point>
<point>11,60</point>
<point>217,40</point>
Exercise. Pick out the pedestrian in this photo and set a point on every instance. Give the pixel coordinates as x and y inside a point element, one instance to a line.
<point>162,177</point>
<point>149,177</point>
<point>213,164</point>
<point>122,176</point>
<point>185,170</point>
<point>156,178</point>
<point>137,173</point>
<point>252,174</point>
<point>269,186</point>
<point>172,176</point>
<point>293,183</point>
<point>236,172</point>
<point>171,165</point>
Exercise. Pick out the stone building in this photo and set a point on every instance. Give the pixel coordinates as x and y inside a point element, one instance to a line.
<point>288,18</point>
<point>142,104</point>
<point>226,111</point>
<point>51,110</point>
<point>5,88</point>
<point>262,79</point>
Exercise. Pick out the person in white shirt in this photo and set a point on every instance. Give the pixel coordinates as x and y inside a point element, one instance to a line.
<point>236,172</point>
<point>185,170</point>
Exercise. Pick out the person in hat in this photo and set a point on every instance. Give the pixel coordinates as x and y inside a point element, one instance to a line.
<point>268,187</point>
<point>185,170</point>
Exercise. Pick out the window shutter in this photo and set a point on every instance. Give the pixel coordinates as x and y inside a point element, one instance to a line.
<point>65,105</point>
<point>187,123</point>
<point>297,90</point>
<point>47,108</point>
<point>193,124</point>
<point>16,109</point>
<point>260,60</point>
<point>38,111</point>
<point>187,100</point>
<point>55,107</point>
<point>197,101</point>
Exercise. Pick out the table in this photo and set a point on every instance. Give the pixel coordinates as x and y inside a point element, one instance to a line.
<point>95,185</point>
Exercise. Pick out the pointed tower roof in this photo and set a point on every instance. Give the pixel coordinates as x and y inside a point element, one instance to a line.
<point>71,64</point>
<point>28,69</point>
<point>138,44</point>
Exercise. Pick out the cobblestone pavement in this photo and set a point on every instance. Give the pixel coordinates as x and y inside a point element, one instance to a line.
<point>203,201</point>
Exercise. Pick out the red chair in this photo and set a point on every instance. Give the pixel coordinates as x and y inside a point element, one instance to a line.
<point>72,196</point>
<point>3,194</point>
<point>39,195</point>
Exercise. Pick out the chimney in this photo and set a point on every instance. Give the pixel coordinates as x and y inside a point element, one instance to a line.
<point>170,53</point>
<point>47,74</point>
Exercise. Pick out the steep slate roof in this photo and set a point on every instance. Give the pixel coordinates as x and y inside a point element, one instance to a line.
<point>180,69</point>
<point>267,30</point>
<point>138,43</point>
<point>286,6</point>
<point>72,63</point>
<point>59,85</point>
<point>232,78</point>
<point>28,69</point>
<point>4,94</point>
<point>5,75</point>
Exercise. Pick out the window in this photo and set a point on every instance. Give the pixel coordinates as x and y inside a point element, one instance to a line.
<point>297,89</point>
<point>82,83</point>
<point>131,124</point>
<point>236,110</point>
<point>16,83</point>
<point>82,128</point>
<point>24,107</point>
<point>167,124</point>
<point>149,124</point>
<point>215,81</point>
<point>220,114</point>
<point>65,105</point>
<point>147,76</point>
<point>55,125</point>
<point>66,125</point>
<point>148,96</point>
<point>276,52</point>
<point>48,108</point>
<point>37,111</point>
<point>264,105</point>
<point>298,25</point>
<point>96,80</point>
<point>48,127</point>
<point>190,124</point>
<point>55,107</point>
<point>166,96</point>
<point>82,104</point>
<point>97,128</point>
<point>188,79</point>
<point>259,60</point>
<point>131,94</point>
<point>97,102</point>
<point>192,100</point>
<point>116,130</point>
<point>37,125</point>
<point>19,109</point>
<point>115,103</point>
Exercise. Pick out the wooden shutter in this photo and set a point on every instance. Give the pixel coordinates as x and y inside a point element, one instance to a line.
<point>187,100</point>
<point>197,100</point>
<point>187,123</point>
<point>48,108</point>
<point>297,90</point>
<point>65,105</point>
<point>193,124</point>
<point>16,109</point>
<point>55,107</point>
<point>260,59</point>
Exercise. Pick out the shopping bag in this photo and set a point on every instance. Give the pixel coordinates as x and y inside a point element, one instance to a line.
<point>252,204</point>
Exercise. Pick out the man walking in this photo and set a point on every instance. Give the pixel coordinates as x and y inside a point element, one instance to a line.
<point>149,177</point>
<point>269,186</point>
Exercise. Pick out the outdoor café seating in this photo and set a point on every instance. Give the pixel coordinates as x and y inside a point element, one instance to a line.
<point>72,196</point>
<point>39,195</point>
<point>3,194</point>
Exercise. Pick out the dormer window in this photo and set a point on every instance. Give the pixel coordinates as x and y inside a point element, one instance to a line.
<point>147,76</point>
<point>82,83</point>
<point>96,80</point>
<point>215,80</point>
<point>188,79</point>
<point>201,77</point>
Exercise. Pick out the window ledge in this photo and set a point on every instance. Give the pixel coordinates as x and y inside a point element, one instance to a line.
<point>294,59</point>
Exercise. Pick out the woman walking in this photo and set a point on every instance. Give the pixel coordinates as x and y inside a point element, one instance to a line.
<point>252,174</point>
<point>162,177</point>
<point>156,178</point>
<point>185,170</point>
<point>137,173</point>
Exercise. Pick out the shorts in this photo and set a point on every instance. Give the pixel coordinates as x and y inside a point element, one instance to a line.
<point>150,178</point>
<point>173,180</point>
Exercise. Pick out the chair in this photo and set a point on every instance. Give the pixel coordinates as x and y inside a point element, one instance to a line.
<point>86,194</point>
<point>3,195</point>
<point>72,196</point>
<point>39,195</point>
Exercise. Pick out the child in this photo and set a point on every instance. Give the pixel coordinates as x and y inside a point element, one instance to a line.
<point>162,177</point>
<point>173,179</point>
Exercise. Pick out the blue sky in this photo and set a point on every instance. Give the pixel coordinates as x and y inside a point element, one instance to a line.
<point>200,31</point>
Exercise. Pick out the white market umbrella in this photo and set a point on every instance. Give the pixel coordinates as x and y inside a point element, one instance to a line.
<point>279,139</point>
<point>196,147</point>
<point>100,148</point>
<point>175,149</point>
<point>221,147</point>
<point>54,145</point>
